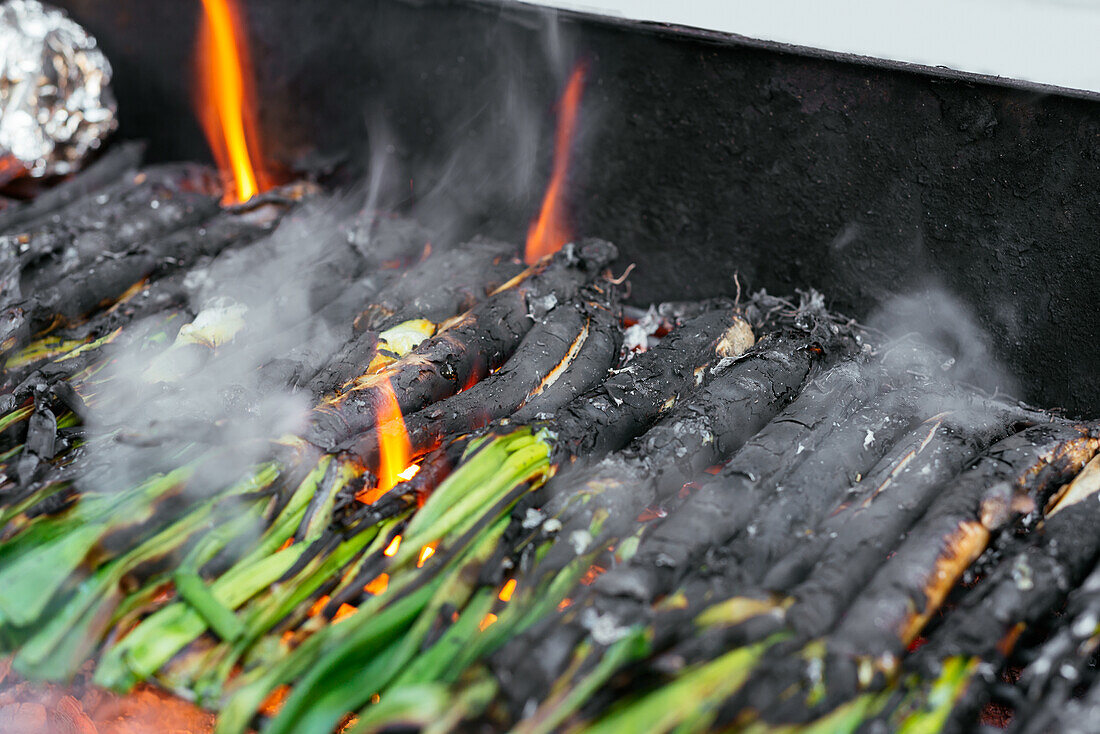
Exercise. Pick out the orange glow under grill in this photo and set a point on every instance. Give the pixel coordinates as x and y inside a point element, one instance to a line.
<point>550,230</point>
<point>225,99</point>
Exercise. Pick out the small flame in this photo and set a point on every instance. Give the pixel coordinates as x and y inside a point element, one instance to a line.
<point>391,549</point>
<point>507,590</point>
<point>550,230</point>
<point>487,621</point>
<point>225,99</point>
<point>425,553</point>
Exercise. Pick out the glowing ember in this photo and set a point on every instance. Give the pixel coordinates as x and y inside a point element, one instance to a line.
<point>550,230</point>
<point>274,702</point>
<point>507,590</point>
<point>564,604</point>
<point>318,606</point>
<point>592,574</point>
<point>394,449</point>
<point>345,611</point>
<point>379,584</point>
<point>487,621</point>
<point>425,553</point>
<point>224,103</point>
<point>391,549</point>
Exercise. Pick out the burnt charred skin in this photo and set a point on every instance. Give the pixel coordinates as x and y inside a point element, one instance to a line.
<point>1028,585</point>
<point>140,208</point>
<point>679,541</point>
<point>805,495</point>
<point>708,425</point>
<point>549,349</point>
<point>608,417</point>
<point>627,591</point>
<point>864,651</point>
<point>829,569</point>
<point>705,426</point>
<point>154,202</point>
<point>1061,715</point>
<point>1066,660</point>
<point>955,530</point>
<point>445,284</point>
<point>64,292</point>
<point>388,241</point>
<point>120,160</point>
<point>587,365</point>
<point>466,349</point>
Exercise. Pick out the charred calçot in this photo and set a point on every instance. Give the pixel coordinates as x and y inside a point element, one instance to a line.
<point>436,290</point>
<point>577,333</point>
<point>467,349</point>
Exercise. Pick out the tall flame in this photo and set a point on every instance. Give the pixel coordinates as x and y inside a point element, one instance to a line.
<point>394,448</point>
<point>225,100</point>
<point>551,230</point>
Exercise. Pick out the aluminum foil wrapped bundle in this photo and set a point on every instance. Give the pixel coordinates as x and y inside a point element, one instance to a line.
<point>55,102</point>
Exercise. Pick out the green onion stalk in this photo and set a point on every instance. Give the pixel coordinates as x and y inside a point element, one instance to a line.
<point>463,520</point>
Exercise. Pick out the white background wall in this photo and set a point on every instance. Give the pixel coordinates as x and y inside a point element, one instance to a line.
<point>1048,41</point>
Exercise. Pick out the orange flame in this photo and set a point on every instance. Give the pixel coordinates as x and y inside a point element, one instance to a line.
<point>225,100</point>
<point>391,549</point>
<point>507,590</point>
<point>550,230</point>
<point>394,449</point>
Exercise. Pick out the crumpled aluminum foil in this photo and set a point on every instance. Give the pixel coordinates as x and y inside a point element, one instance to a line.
<point>55,102</point>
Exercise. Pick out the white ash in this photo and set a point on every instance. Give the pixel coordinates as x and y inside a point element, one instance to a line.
<point>533,518</point>
<point>539,307</point>
<point>580,540</point>
<point>604,628</point>
<point>1022,574</point>
<point>636,337</point>
<point>551,526</point>
<point>869,439</point>
<point>1085,626</point>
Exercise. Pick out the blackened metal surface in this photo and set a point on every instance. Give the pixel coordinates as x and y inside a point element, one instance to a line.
<point>700,156</point>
